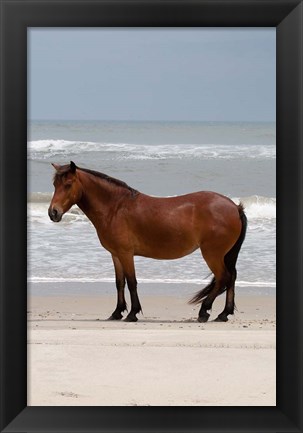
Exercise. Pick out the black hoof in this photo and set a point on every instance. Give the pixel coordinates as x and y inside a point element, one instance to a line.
<point>221,318</point>
<point>115,317</point>
<point>130,319</point>
<point>204,318</point>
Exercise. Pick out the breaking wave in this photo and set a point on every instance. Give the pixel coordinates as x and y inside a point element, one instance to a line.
<point>45,149</point>
<point>256,208</point>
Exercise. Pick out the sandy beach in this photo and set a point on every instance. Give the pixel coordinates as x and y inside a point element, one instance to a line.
<point>167,358</point>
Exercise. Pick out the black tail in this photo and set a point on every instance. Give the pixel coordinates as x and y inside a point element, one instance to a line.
<point>230,261</point>
<point>203,293</point>
<point>231,257</point>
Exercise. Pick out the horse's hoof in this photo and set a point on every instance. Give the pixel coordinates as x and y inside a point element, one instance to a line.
<point>204,318</point>
<point>130,319</point>
<point>112,317</point>
<point>221,319</point>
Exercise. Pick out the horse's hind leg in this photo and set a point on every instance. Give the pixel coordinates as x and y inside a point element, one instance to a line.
<point>207,303</point>
<point>217,285</point>
<point>230,300</point>
<point>120,284</point>
<point>127,262</point>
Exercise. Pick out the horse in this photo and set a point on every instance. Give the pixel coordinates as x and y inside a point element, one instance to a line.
<point>130,223</point>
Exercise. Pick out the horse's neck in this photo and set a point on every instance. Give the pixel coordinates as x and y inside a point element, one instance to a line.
<point>98,197</point>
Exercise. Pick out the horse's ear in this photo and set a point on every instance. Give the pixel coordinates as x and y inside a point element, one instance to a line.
<point>73,167</point>
<point>56,166</point>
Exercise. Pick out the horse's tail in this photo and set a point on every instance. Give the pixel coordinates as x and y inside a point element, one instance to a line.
<point>231,257</point>
<point>203,293</point>
<point>230,261</point>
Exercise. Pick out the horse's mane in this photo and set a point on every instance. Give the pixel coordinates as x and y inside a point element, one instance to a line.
<point>64,169</point>
<point>109,179</point>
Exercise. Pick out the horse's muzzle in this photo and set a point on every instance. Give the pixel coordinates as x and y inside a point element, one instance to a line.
<point>54,214</point>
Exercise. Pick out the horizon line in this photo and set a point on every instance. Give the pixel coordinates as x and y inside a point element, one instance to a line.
<point>149,120</point>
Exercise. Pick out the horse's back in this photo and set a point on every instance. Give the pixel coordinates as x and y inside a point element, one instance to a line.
<point>202,204</point>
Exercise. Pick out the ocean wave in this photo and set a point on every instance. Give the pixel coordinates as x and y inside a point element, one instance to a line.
<point>37,212</point>
<point>45,149</point>
<point>256,206</point>
<point>40,197</point>
<point>84,279</point>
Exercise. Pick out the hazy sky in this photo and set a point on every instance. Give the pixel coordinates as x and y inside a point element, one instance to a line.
<point>152,74</point>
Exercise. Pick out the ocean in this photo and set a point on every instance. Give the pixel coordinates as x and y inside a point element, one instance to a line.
<point>158,158</point>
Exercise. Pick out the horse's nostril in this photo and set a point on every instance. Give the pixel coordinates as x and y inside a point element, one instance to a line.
<point>54,214</point>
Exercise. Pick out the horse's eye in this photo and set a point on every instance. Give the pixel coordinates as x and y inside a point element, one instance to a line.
<point>67,185</point>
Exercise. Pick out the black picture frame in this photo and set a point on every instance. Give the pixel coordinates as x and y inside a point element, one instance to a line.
<point>16,17</point>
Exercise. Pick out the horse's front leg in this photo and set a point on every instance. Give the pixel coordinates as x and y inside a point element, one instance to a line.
<point>128,265</point>
<point>120,284</point>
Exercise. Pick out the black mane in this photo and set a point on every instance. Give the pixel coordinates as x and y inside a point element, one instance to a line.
<point>109,179</point>
<point>65,169</point>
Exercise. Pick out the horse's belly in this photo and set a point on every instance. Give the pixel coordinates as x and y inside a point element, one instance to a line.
<point>166,256</point>
<point>166,249</point>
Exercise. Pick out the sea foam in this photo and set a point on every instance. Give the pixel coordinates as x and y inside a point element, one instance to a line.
<point>257,209</point>
<point>44,149</point>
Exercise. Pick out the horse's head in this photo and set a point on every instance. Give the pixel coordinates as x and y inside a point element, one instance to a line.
<point>68,190</point>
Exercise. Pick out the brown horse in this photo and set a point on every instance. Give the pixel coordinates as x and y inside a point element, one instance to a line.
<point>129,223</point>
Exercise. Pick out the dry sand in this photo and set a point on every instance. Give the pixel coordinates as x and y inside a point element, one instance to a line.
<point>167,358</point>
